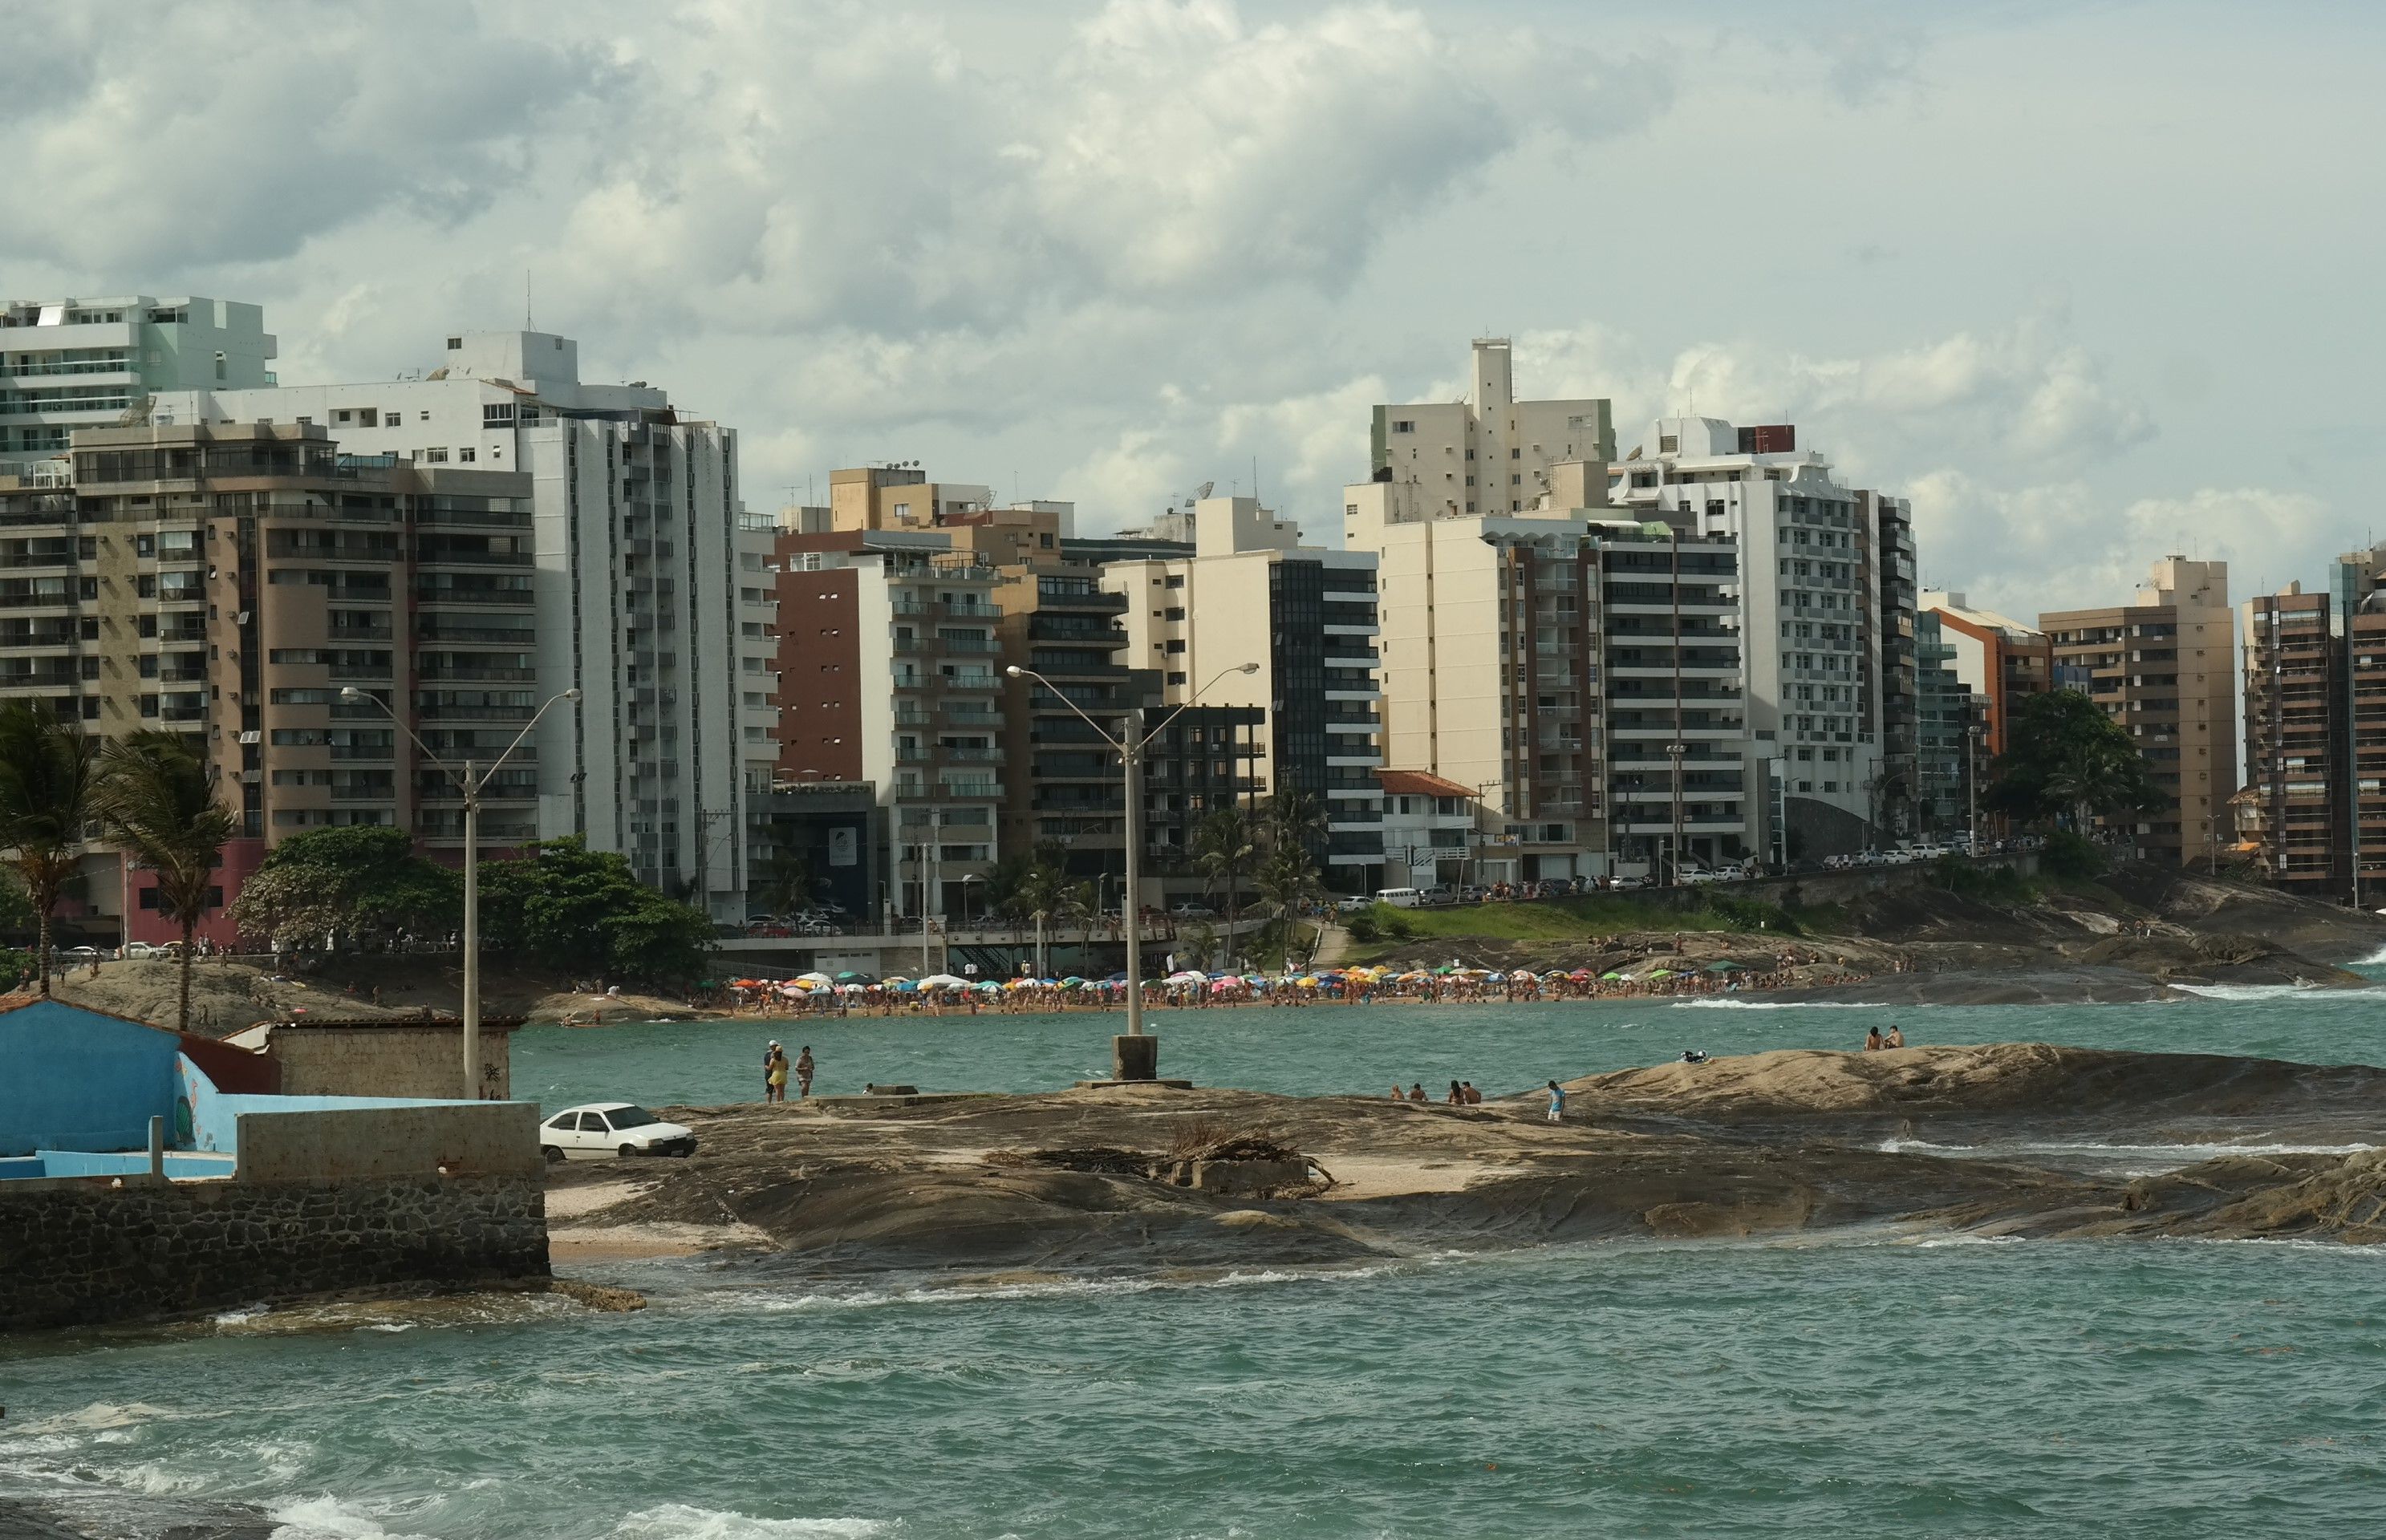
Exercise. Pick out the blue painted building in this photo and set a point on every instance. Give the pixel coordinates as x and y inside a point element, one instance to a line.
<point>73,1079</point>
<point>78,1088</point>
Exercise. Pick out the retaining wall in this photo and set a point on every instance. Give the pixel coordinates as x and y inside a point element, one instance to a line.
<point>89,1250</point>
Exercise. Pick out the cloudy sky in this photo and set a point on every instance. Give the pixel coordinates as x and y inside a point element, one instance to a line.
<point>2088,281</point>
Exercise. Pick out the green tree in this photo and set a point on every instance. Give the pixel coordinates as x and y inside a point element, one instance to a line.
<point>1289,881</point>
<point>1292,819</point>
<point>1223,845</point>
<point>351,881</point>
<point>2065,759</point>
<point>564,906</point>
<point>789,881</point>
<point>49,783</point>
<point>158,802</point>
<point>1041,894</point>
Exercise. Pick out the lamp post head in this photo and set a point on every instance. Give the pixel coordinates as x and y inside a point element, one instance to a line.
<point>349,692</point>
<point>1248,668</point>
<point>572,693</point>
<point>1015,671</point>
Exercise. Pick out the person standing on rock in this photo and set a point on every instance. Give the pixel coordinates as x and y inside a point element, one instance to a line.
<point>803,1068</point>
<point>774,1073</point>
<point>1557,1103</point>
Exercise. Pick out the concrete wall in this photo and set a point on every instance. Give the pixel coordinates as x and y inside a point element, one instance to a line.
<point>85,1252</point>
<point>348,1143</point>
<point>72,1079</point>
<point>400,1059</point>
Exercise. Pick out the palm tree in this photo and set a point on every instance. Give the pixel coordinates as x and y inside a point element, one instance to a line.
<point>790,883</point>
<point>1289,881</point>
<point>1041,894</point>
<point>1223,842</point>
<point>158,803</point>
<point>49,778</point>
<point>1292,819</point>
<point>1084,904</point>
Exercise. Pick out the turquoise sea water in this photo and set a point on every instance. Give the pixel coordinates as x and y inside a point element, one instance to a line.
<point>1852,1386</point>
<point>1329,1048</point>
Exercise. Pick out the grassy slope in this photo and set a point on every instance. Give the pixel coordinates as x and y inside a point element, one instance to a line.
<point>1583,919</point>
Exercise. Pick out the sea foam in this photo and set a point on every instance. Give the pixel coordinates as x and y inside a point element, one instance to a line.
<point>1714,1003</point>
<point>681,1522</point>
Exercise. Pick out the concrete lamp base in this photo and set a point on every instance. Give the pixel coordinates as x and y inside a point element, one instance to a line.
<point>1135,1057</point>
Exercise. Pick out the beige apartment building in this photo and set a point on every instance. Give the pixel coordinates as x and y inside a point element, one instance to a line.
<point>1579,670</point>
<point>2165,667</point>
<point>1488,453</point>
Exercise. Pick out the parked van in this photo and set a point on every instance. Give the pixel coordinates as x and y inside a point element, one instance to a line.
<point>1401,898</point>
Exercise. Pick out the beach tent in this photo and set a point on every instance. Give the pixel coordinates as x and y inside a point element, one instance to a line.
<point>814,978</point>
<point>943,981</point>
<point>851,977</point>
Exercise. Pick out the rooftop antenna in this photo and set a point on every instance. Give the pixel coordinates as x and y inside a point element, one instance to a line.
<point>528,325</point>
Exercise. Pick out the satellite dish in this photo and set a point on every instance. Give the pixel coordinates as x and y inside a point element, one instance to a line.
<point>1207,487</point>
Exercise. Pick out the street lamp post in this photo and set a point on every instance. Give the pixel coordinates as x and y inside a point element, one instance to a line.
<point>1134,1056</point>
<point>1972,789</point>
<point>470,780</point>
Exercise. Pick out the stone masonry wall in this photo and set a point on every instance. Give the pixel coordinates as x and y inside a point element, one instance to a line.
<point>84,1252</point>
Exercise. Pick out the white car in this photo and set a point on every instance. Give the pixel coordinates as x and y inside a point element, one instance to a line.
<point>602,1129</point>
<point>153,948</point>
<point>1353,905</point>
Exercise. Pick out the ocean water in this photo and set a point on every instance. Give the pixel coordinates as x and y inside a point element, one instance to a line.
<point>1888,1382</point>
<point>1327,1048</point>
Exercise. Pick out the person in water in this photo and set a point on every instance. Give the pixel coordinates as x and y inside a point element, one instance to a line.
<point>1896,1038</point>
<point>803,1068</point>
<point>1456,1097</point>
<point>1873,1042</point>
<point>1466,1089</point>
<point>1417,1091</point>
<point>774,1073</point>
<point>1557,1103</point>
<point>1399,1094</point>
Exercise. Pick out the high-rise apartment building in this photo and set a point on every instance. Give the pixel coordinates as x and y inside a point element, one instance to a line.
<point>226,582</point>
<point>1251,594</point>
<point>2298,717</point>
<point>92,363</point>
<point>2164,667</point>
<point>649,582</point>
<point>1578,669</point>
<point>1825,617</point>
<point>1487,453</point>
<point>2000,660</point>
<point>1948,754</point>
<point>890,673</point>
<point>2315,690</point>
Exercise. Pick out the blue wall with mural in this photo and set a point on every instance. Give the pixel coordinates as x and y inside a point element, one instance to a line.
<point>75,1079</point>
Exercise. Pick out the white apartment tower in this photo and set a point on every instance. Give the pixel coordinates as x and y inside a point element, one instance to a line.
<point>1488,453</point>
<point>649,580</point>
<point>95,363</point>
<point>1826,618</point>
